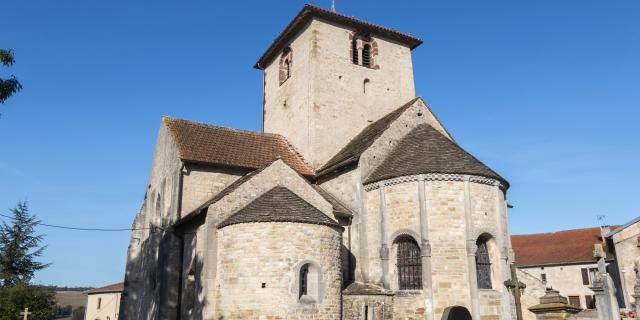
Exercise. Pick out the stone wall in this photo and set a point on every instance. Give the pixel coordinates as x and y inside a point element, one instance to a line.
<point>258,264</point>
<point>354,307</point>
<point>627,245</point>
<point>398,205</point>
<point>532,293</point>
<point>201,183</point>
<point>567,279</point>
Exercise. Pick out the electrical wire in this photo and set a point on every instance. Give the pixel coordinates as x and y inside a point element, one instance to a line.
<point>83,229</point>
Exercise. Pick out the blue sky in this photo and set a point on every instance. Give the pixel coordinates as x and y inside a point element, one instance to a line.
<point>545,92</point>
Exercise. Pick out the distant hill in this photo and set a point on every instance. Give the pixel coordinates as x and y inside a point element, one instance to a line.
<point>58,288</point>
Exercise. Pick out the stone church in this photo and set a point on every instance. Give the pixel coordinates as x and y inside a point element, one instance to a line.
<point>352,202</point>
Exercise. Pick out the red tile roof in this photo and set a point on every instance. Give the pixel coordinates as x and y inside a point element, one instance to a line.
<point>209,144</point>
<point>561,247</point>
<point>116,287</point>
<point>309,11</point>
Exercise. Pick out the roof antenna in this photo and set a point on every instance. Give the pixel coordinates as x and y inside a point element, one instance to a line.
<point>333,5</point>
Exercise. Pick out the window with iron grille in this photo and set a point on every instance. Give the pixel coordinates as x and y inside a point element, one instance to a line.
<point>409,264</point>
<point>483,265</point>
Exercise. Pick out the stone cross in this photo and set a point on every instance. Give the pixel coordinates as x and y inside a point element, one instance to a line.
<point>25,314</point>
<point>516,287</point>
<point>603,289</point>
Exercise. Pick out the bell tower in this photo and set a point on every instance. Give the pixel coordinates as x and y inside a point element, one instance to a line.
<point>327,76</point>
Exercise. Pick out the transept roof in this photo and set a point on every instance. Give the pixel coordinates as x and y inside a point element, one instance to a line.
<point>209,144</point>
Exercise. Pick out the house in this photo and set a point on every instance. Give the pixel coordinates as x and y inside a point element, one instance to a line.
<point>104,303</point>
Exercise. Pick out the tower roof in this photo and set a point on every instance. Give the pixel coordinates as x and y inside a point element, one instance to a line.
<point>279,205</point>
<point>309,12</point>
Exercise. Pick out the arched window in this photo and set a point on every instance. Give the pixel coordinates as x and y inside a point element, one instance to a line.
<point>365,85</point>
<point>304,281</point>
<point>409,264</point>
<point>309,278</point>
<point>285,64</point>
<point>99,303</point>
<point>366,55</point>
<point>483,263</point>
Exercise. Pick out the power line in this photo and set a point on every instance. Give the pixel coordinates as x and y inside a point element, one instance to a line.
<point>81,229</point>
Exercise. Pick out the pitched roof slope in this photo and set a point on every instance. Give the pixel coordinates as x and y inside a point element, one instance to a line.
<point>561,247</point>
<point>279,205</point>
<point>360,143</point>
<point>426,150</point>
<point>309,11</point>
<point>204,143</point>
<point>116,287</point>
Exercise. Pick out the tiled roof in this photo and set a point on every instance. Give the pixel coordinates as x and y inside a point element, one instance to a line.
<point>310,11</point>
<point>279,205</point>
<point>426,150</point>
<point>360,143</point>
<point>561,247</point>
<point>209,144</point>
<point>116,287</point>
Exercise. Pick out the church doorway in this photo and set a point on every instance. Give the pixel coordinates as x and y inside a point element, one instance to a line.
<point>456,313</point>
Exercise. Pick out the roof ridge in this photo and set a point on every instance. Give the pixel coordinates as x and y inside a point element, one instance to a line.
<point>560,231</point>
<point>210,125</point>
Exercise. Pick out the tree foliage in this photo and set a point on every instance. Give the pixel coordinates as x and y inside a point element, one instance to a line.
<point>78,313</point>
<point>11,85</point>
<point>20,246</point>
<point>40,301</point>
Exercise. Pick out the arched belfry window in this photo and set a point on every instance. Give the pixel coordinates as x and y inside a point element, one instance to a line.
<point>409,264</point>
<point>366,55</point>
<point>363,50</point>
<point>483,263</point>
<point>285,64</point>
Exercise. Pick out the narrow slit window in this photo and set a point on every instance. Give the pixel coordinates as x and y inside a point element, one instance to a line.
<point>354,51</point>
<point>483,265</point>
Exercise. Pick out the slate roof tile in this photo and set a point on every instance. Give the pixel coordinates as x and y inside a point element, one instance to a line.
<point>426,150</point>
<point>279,205</point>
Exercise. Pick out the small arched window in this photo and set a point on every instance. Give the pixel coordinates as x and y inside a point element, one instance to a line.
<point>365,85</point>
<point>409,264</point>
<point>285,64</point>
<point>304,281</point>
<point>483,264</point>
<point>99,303</point>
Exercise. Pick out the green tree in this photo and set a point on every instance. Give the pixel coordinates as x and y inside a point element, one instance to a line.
<point>78,313</point>
<point>11,85</point>
<point>20,246</point>
<point>40,301</point>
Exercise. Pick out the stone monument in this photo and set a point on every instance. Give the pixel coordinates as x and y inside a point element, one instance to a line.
<point>603,289</point>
